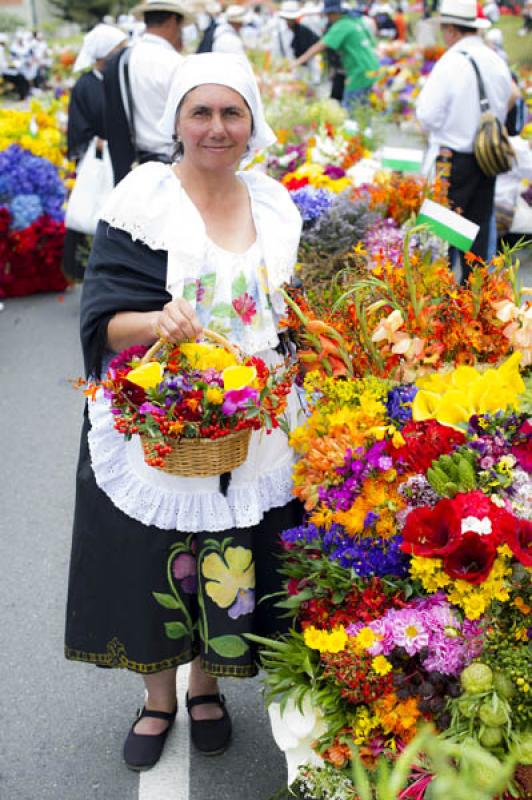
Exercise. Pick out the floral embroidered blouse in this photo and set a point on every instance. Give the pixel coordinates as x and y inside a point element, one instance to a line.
<point>231,296</point>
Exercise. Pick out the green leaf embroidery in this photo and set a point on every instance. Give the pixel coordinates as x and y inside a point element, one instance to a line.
<point>166,600</point>
<point>222,310</point>
<point>175,630</point>
<point>189,292</point>
<point>239,285</point>
<point>229,646</point>
<point>209,279</point>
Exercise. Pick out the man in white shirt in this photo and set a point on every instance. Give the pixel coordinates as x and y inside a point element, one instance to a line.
<point>448,107</point>
<point>136,85</point>
<point>227,34</point>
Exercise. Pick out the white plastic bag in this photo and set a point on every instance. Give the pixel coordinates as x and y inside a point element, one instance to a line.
<point>94,183</point>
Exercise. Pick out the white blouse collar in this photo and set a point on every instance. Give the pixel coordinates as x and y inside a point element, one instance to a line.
<point>151,205</point>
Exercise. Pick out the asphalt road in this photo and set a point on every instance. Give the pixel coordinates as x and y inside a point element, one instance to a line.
<point>62,724</point>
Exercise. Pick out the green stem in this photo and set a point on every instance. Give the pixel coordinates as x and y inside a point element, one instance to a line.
<point>409,273</point>
<point>184,610</point>
<point>366,339</point>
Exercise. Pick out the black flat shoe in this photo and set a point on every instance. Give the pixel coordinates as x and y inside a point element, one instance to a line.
<point>142,751</point>
<point>210,736</point>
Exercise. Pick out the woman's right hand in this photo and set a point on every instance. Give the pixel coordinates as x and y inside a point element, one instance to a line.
<point>177,322</point>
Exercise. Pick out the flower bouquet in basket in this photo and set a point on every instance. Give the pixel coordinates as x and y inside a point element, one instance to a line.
<point>196,404</point>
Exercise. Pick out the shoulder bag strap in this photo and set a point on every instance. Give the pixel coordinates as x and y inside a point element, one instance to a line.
<point>484,102</point>
<point>129,107</point>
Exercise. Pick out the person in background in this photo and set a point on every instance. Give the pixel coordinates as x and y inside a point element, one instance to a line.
<point>448,107</point>
<point>527,18</point>
<point>302,37</point>
<point>10,74</point>
<point>136,83</point>
<point>227,34</point>
<point>86,119</point>
<point>355,44</point>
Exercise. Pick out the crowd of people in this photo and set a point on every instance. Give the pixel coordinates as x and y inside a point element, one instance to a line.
<point>25,61</point>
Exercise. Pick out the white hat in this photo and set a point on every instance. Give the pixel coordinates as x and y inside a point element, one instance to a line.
<point>172,6</point>
<point>98,43</point>
<point>289,9</point>
<point>461,12</point>
<point>235,13</point>
<point>225,69</point>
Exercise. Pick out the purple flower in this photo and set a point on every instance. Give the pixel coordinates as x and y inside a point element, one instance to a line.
<point>184,570</point>
<point>236,399</point>
<point>150,408</point>
<point>244,604</point>
<point>335,173</point>
<point>312,203</point>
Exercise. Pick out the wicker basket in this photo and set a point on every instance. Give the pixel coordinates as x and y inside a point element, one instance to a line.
<point>200,458</point>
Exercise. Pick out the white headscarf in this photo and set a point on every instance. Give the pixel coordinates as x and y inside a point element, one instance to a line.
<point>98,43</point>
<point>225,69</point>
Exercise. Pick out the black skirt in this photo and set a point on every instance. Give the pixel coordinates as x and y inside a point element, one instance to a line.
<point>146,600</point>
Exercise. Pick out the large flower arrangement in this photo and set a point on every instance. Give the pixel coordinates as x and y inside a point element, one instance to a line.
<point>33,177</point>
<point>195,391</point>
<point>408,579</point>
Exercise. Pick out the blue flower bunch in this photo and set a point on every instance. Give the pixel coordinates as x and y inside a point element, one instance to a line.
<point>366,556</point>
<point>27,182</point>
<point>399,403</point>
<point>311,202</point>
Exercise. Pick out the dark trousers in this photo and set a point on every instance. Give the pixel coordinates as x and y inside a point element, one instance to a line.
<point>471,192</point>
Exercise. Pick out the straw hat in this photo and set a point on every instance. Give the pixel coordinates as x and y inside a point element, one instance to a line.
<point>235,13</point>
<point>289,9</point>
<point>173,6</point>
<point>461,12</point>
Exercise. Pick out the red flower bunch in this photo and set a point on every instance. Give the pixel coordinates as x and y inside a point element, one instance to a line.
<point>30,260</point>
<point>522,446</point>
<point>358,605</point>
<point>351,671</point>
<point>425,442</point>
<point>465,533</point>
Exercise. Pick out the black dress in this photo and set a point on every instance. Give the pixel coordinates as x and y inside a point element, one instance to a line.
<point>143,598</point>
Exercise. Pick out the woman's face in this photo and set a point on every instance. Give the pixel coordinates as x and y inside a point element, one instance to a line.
<point>214,124</point>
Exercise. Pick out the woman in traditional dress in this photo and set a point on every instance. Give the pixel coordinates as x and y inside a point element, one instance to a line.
<point>86,118</point>
<point>181,247</point>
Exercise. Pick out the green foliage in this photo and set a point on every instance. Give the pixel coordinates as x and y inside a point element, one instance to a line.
<point>451,474</point>
<point>10,22</point>
<point>462,771</point>
<point>89,12</point>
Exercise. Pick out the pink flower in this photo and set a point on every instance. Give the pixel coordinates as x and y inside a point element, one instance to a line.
<point>245,308</point>
<point>236,399</point>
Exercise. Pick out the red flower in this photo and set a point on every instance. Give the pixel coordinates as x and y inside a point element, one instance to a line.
<point>245,308</point>
<point>520,541</point>
<point>522,450</point>
<point>471,560</point>
<point>431,532</point>
<point>424,442</point>
<point>135,394</point>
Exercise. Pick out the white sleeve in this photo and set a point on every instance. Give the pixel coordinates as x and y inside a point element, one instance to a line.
<point>433,100</point>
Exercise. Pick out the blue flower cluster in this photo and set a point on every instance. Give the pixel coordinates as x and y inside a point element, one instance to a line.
<point>312,203</point>
<point>27,180</point>
<point>25,209</point>
<point>366,556</point>
<point>399,403</point>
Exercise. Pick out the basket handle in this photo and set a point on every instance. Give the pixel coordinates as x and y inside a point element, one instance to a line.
<point>217,338</point>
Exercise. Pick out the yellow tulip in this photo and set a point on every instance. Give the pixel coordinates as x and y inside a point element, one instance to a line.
<point>238,377</point>
<point>207,356</point>
<point>147,376</point>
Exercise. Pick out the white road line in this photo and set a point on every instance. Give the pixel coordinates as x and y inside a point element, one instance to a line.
<point>169,779</point>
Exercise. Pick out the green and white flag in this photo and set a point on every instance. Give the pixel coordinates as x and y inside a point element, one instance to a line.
<point>402,159</point>
<point>457,230</point>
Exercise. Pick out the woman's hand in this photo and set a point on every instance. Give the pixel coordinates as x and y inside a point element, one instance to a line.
<point>177,322</point>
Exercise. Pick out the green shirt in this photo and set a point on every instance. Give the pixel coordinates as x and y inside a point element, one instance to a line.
<point>355,43</point>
